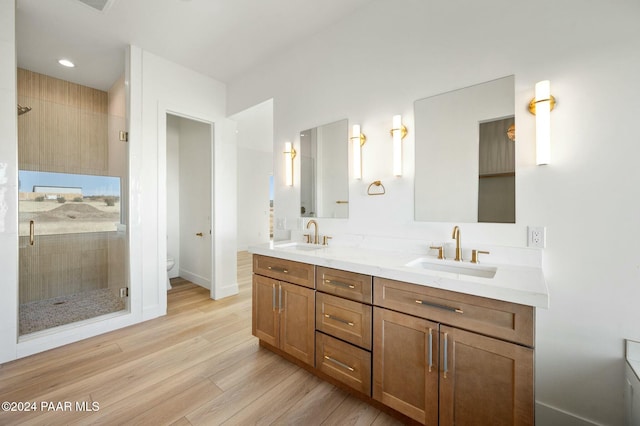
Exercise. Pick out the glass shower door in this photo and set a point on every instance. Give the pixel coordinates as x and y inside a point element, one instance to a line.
<point>72,182</point>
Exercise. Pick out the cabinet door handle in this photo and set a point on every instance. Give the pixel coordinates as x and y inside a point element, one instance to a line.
<point>277,269</point>
<point>446,364</point>
<point>341,364</point>
<point>339,284</point>
<point>32,231</point>
<point>430,350</point>
<point>349,323</point>
<point>435,305</point>
<point>280,297</point>
<point>273,296</point>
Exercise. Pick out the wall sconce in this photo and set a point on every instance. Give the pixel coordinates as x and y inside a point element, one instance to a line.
<point>398,132</point>
<point>541,107</point>
<point>357,140</point>
<point>289,155</point>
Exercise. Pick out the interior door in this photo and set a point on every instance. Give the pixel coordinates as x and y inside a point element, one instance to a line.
<point>195,200</point>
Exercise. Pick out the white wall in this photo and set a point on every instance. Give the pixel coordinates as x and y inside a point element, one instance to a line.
<point>171,88</point>
<point>388,54</point>
<point>255,166</point>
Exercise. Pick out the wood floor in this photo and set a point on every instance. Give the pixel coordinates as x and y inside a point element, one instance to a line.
<point>199,365</point>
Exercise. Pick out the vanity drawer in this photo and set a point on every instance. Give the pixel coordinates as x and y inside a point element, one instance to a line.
<point>344,362</point>
<point>344,319</point>
<point>504,320</point>
<point>344,284</point>
<point>284,270</point>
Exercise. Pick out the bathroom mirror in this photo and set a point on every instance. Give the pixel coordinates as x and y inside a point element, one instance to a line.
<point>465,154</point>
<point>324,171</point>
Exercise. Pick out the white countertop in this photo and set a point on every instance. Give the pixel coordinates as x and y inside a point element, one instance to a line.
<point>512,283</point>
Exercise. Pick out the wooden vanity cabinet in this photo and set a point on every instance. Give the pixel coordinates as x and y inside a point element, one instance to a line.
<point>438,357</point>
<point>475,378</point>
<point>284,313</point>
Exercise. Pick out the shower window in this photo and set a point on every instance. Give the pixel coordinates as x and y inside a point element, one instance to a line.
<point>65,203</point>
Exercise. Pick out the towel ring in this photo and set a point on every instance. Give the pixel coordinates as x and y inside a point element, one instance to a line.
<point>378,184</point>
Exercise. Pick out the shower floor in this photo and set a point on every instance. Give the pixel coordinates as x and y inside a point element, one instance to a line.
<point>44,314</point>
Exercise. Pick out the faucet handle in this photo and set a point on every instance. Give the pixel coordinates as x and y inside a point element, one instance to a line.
<point>325,240</point>
<point>475,253</point>
<point>307,238</point>
<point>440,251</point>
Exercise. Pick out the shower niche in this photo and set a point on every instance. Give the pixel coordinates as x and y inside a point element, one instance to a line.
<point>72,207</point>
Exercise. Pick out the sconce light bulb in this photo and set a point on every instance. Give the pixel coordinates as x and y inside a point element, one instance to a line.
<point>357,151</point>
<point>288,167</point>
<point>543,122</point>
<point>397,145</point>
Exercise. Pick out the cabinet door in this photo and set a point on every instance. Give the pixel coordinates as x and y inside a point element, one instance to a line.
<point>297,322</point>
<point>265,309</point>
<point>405,364</point>
<point>484,380</point>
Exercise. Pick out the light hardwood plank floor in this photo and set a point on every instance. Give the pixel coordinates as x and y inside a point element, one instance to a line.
<point>198,365</point>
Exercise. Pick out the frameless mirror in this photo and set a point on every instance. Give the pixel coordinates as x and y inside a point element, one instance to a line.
<point>465,154</point>
<point>324,171</point>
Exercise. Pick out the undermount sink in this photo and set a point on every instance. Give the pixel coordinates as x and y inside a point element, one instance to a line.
<point>468,269</point>
<point>297,246</point>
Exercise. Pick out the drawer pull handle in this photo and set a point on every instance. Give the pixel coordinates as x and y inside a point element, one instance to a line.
<point>275,268</point>
<point>339,284</point>
<point>435,305</point>
<point>349,323</point>
<point>430,350</point>
<point>273,297</point>
<point>446,364</point>
<point>341,364</point>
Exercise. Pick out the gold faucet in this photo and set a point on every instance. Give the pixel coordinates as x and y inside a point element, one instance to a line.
<point>456,236</point>
<point>316,240</point>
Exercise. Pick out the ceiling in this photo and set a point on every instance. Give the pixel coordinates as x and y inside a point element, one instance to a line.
<point>218,38</point>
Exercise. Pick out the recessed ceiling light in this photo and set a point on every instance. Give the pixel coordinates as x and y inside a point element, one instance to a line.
<point>66,63</point>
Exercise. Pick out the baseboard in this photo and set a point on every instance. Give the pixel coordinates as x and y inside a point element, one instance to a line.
<point>226,291</point>
<point>195,278</point>
<point>547,415</point>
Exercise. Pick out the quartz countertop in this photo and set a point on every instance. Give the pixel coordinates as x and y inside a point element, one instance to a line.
<point>512,283</point>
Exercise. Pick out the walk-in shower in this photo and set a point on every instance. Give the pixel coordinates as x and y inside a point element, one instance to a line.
<point>72,210</point>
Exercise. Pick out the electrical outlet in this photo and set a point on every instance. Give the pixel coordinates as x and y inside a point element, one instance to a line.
<point>536,236</point>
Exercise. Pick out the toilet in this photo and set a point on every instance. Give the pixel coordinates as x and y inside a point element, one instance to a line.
<point>170,264</point>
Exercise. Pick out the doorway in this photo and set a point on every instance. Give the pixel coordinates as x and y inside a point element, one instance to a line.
<point>189,200</point>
